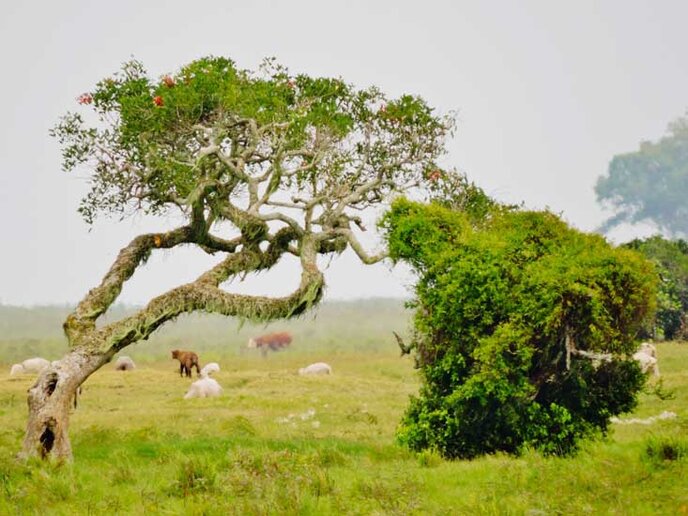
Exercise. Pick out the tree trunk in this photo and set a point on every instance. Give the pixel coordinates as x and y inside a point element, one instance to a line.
<point>50,400</point>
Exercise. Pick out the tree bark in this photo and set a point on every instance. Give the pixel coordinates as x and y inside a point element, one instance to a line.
<point>50,400</point>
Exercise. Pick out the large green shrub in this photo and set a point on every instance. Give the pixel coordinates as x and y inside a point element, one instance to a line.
<point>524,327</point>
<point>671,261</point>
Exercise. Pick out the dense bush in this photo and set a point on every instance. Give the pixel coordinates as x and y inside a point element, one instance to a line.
<point>671,261</point>
<point>508,303</point>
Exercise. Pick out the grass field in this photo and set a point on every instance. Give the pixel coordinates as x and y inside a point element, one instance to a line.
<point>277,443</point>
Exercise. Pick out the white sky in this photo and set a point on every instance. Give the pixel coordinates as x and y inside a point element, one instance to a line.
<point>547,92</point>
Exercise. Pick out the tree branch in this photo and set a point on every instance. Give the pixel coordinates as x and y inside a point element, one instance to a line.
<point>571,349</point>
<point>204,295</point>
<point>99,299</point>
<point>358,247</point>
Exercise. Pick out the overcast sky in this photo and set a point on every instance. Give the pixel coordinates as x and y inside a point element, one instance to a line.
<point>546,93</point>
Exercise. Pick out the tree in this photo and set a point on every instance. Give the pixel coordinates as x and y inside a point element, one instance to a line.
<point>651,184</point>
<point>671,261</point>
<point>524,327</point>
<point>259,164</point>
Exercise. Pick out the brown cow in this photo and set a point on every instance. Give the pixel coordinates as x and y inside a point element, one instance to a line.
<point>187,360</point>
<point>270,342</point>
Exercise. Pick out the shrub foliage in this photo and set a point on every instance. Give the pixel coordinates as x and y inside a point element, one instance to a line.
<point>524,327</point>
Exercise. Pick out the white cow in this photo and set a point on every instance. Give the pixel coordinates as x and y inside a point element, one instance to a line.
<point>317,368</point>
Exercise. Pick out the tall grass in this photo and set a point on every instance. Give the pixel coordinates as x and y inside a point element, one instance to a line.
<point>278,443</point>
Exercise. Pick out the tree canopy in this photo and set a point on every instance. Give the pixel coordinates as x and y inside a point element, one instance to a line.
<point>260,164</point>
<point>650,184</point>
<point>524,327</point>
<point>212,132</point>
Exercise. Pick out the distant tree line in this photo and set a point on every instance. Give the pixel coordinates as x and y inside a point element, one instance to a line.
<point>671,261</point>
<point>650,185</point>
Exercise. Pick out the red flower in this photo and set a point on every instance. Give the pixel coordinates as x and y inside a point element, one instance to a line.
<point>435,175</point>
<point>157,100</point>
<point>84,98</point>
<point>168,81</point>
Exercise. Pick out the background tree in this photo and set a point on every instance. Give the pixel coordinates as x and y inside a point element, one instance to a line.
<point>259,165</point>
<point>671,261</point>
<point>651,184</point>
<point>524,327</point>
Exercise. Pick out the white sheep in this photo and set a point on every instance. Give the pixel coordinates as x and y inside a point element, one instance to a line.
<point>647,363</point>
<point>203,388</point>
<point>317,368</point>
<point>30,365</point>
<point>209,369</point>
<point>35,365</point>
<point>649,349</point>
<point>16,369</point>
<point>124,363</point>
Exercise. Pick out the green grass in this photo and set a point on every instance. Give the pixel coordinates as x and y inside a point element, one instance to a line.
<point>277,443</point>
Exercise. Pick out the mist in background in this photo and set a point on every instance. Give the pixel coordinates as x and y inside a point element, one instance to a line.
<point>546,94</point>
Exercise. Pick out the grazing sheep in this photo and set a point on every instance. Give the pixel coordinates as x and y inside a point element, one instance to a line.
<point>270,342</point>
<point>124,363</point>
<point>35,365</point>
<point>30,365</point>
<point>187,360</point>
<point>649,349</point>
<point>647,363</point>
<point>209,369</point>
<point>317,368</point>
<point>204,388</point>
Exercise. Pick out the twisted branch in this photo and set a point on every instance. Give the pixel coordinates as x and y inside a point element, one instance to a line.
<point>98,300</point>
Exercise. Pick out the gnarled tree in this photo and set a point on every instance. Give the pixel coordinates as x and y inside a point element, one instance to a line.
<point>260,165</point>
